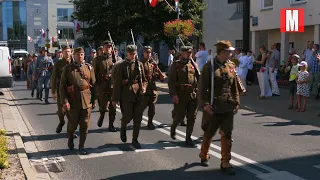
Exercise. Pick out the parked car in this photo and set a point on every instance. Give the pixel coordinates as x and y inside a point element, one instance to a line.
<point>6,79</point>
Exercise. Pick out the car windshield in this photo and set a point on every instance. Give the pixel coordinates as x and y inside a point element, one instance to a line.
<point>20,54</point>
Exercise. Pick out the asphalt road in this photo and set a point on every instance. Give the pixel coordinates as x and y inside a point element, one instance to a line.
<point>265,147</point>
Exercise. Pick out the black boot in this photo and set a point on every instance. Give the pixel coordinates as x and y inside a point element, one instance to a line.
<point>183,123</point>
<point>59,128</point>
<point>136,144</point>
<point>123,135</point>
<point>82,151</point>
<point>173,133</point>
<point>32,93</point>
<point>151,126</point>
<point>204,162</point>
<point>70,143</point>
<point>228,170</point>
<point>189,142</point>
<point>112,128</point>
<point>100,121</point>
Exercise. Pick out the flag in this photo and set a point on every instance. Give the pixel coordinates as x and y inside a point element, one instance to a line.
<point>153,3</point>
<point>177,5</point>
<point>29,39</point>
<point>76,25</point>
<point>43,33</point>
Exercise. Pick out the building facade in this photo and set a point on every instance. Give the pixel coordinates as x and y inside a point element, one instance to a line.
<point>54,17</point>
<point>222,21</point>
<point>265,25</point>
<point>13,24</point>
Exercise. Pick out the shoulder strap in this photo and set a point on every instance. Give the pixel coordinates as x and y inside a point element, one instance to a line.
<point>212,81</point>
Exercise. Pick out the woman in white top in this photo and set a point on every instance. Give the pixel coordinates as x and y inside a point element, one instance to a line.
<point>250,75</point>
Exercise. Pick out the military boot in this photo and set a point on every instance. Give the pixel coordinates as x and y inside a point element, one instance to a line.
<point>59,128</point>
<point>190,125</point>
<point>70,142</point>
<point>111,126</point>
<point>32,93</point>
<point>82,140</point>
<point>150,124</point>
<point>123,131</point>
<point>101,118</point>
<point>135,135</point>
<point>183,123</point>
<point>225,165</point>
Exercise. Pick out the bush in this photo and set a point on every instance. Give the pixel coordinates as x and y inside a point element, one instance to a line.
<point>3,150</point>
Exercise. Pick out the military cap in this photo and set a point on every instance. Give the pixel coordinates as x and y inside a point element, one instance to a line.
<point>78,50</point>
<point>100,48</point>
<point>107,42</point>
<point>224,45</point>
<point>66,47</point>
<point>35,55</point>
<point>131,48</point>
<point>115,48</point>
<point>146,48</point>
<point>186,48</point>
<point>59,51</point>
<point>93,51</point>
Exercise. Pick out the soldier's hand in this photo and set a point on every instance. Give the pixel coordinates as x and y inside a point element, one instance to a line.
<point>208,109</point>
<point>66,106</point>
<point>175,99</point>
<point>114,103</point>
<point>236,109</point>
<point>54,96</point>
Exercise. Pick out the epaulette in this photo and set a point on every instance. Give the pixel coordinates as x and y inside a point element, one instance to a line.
<point>89,66</point>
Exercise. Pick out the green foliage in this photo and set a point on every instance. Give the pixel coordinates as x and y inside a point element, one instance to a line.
<point>120,16</point>
<point>3,150</point>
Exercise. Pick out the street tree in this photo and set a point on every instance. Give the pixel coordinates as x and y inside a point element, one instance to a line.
<point>120,16</point>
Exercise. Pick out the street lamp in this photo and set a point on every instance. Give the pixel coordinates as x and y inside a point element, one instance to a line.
<point>47,33</point>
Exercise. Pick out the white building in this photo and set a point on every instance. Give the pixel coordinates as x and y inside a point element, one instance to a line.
<point>52,15</point>
<point>265,23</point>
<point>222,21</point>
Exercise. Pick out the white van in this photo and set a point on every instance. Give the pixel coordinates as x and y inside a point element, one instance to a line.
<point>5,68</point>
<point>21,52</point>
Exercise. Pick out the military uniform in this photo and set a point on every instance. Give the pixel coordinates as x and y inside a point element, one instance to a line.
<point>182,83</point>
<point>224,104</point>
<point>55,82</point>
<point>129,86</point>
<point>32,75</point>
<point>77,88</point>
<point>103,69</point>
<point>151,95</point>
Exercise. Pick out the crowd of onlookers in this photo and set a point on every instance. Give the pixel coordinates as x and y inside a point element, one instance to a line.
<point>301,73</point>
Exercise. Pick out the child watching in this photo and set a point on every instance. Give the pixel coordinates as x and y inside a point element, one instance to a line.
<point>303,79</point>
<point>293,68</point>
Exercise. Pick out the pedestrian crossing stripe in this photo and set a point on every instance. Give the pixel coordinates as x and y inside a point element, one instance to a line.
<point>279,175</point>
<point>317,166</point>
<point>112,151</point>
<point>46,164</point>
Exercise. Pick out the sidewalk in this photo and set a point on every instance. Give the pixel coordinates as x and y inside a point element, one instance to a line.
<point>17,126</point>
<point>274,106</point>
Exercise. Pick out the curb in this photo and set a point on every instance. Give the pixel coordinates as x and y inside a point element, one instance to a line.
<point>27,167</point>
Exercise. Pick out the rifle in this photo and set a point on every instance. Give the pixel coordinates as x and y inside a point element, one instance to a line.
<point>113,46</point>
<point>137,62</point>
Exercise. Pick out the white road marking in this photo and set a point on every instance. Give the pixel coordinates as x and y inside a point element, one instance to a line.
<point>106,152</point>
<point>235,163</point>
<point>317,166</point>
<point>280,175</point>
<point>153,147</point>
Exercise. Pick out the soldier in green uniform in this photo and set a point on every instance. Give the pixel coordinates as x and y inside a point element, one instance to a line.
<point>55,82</point>
<point>129,89</point>
<point>103,69</point>
<point>152,73</point>
<point>219,105</point>
<point>77,94</point>
<point>183,77</point>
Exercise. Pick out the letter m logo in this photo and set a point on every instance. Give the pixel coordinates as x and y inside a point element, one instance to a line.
<point>292,20</point>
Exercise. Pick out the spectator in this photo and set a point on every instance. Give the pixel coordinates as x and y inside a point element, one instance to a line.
<point>250,75</point>
<point>314,70</point>
<point>202,56</point>
<point>244,62</point>
<point>210,55</point>
<point>274,64</point>
<point>307,54</point>
<point>291,52</point>
<point>262,73</point>
<point>293,71</point>
<point>303,80</point>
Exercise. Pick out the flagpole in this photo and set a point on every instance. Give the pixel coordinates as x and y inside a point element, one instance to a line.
<point>169,5</point>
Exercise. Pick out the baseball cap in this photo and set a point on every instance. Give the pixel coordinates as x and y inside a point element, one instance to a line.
<point>303,63</point>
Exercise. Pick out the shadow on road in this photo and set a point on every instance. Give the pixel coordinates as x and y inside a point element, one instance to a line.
<point>307,133</point>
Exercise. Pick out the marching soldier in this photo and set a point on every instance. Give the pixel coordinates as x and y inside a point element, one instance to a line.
<point>129,87</point>
<point>103,69</point>
<point>183,77</point>
<point>219,105</point>
<point>55,82</point>
<point>44,67</point>
<point>78,96</point>
<point>152,72</point>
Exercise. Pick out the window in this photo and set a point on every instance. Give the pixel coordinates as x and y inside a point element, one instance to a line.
<point>64,14</point>
<point>239,44</point>
<point>66,33</point>
<point>298,1</point>
<point>36,33</point>
<point>240,7</point>
<point>266,4</point>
